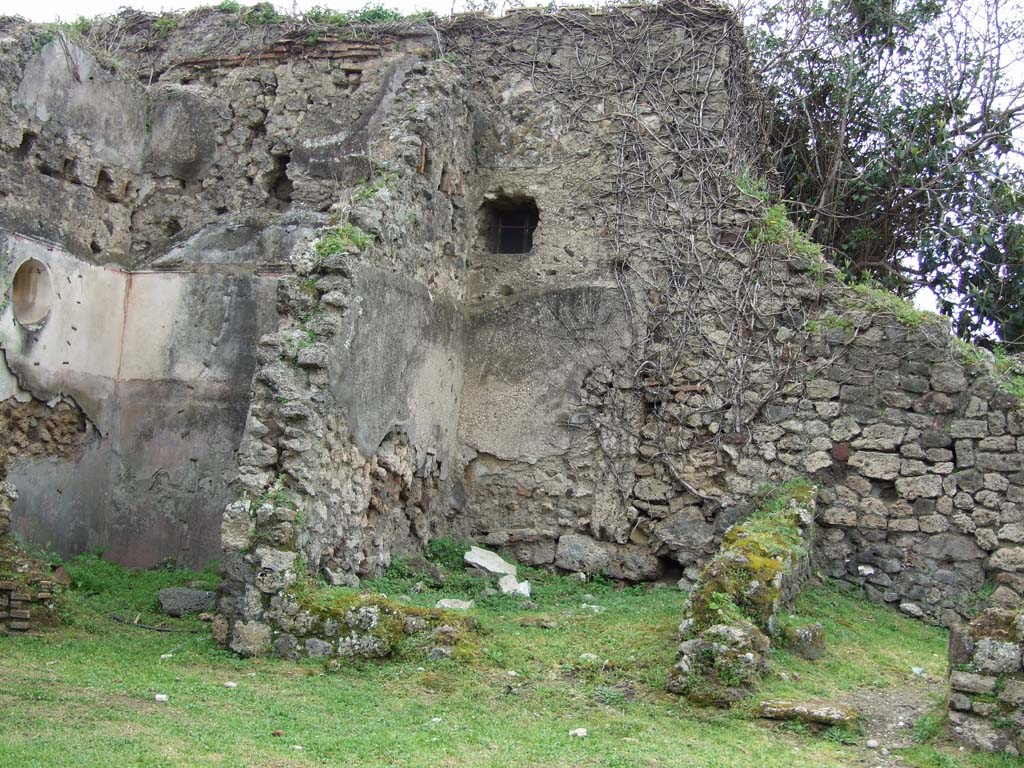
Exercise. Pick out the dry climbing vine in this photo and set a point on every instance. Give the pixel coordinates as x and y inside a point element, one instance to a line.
<point>712,329</point>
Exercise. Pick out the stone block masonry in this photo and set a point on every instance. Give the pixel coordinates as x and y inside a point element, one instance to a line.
<point>986,682</point>
<point>919,450</point>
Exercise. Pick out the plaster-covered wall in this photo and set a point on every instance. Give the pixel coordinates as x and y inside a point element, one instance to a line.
<point>162,207</point>
<point>159,364</point>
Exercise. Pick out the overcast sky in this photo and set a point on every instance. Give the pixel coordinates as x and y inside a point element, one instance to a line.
<point>69,10</point>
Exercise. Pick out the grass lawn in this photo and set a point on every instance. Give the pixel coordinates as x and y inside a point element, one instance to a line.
<point>83,695</point>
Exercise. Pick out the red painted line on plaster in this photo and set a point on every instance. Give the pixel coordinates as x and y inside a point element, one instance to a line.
<point>124,326</point>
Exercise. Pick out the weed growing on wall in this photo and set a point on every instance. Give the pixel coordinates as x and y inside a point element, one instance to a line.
<point>877,300</point>
<point>775,226</point>
<point>165,23</point>
<point>1006,369</point>
<point>346,238</point>
<point>382,179</point>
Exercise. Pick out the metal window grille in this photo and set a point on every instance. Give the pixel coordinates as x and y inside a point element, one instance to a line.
<point>512,231</point>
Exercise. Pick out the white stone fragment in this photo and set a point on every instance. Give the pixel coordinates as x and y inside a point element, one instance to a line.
<point>510,586</point>
<point>488,561</point>
<point>450,604</point>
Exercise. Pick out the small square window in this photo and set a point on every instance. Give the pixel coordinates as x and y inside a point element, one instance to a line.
<point>509,224</point>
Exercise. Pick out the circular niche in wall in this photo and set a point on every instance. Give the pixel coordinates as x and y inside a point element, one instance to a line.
<point>32,293</point>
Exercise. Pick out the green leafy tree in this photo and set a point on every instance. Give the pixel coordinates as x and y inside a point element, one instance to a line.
<point>897,129</point>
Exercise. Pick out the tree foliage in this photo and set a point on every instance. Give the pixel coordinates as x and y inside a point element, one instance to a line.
<point>897,129</point>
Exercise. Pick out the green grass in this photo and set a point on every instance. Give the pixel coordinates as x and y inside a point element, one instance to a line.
<point>83,695</point>
<point>346,237</point>
<point>879,648</point>
<point>1007,371</point>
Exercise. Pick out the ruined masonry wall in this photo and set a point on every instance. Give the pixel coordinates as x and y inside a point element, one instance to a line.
<point>655,452</point>
<point>922,467</point>
<point>351,446</point>
<point>163,176</point>
<point>7,495</point>
<point>609,402</point>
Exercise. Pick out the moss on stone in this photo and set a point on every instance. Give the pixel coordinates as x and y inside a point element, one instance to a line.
<point>744,580</point>
<point>995,623</point>
<point>337,603</point>
<point>876,300</point>
<point>737,598</point>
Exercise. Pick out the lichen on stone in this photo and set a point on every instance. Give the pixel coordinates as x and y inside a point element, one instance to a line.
<point>358,623</point>
<point>731,612</point>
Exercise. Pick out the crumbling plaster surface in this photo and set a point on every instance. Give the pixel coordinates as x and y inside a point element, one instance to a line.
<point>78,349</point>
<point>399,366</point>
<point>154,361</point>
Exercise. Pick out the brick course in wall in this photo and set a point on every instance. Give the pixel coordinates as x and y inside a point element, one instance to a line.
<point>25,605</point>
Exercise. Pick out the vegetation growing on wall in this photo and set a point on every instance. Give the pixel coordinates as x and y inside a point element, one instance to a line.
<point>346,238</point>
<point>1006,369</point>
<point>349,609</point>
<point>775,226</point>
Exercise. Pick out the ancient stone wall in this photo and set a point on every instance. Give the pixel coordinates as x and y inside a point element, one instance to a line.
<point>217,124</point>
<point>351,445</point>
<point>161,182</point>
<point>336,482</point>
<point>573,119</point>
<point>628,433</point>
<point>924,465</point>
<point>312,216</point>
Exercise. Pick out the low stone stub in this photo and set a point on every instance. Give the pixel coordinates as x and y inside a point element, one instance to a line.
<point>986,682</point>
<point>731,612</point>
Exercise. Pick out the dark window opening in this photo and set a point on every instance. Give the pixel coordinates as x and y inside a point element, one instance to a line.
<point>509,224</point>
<point>279,186</point>
<point>28,140</point>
